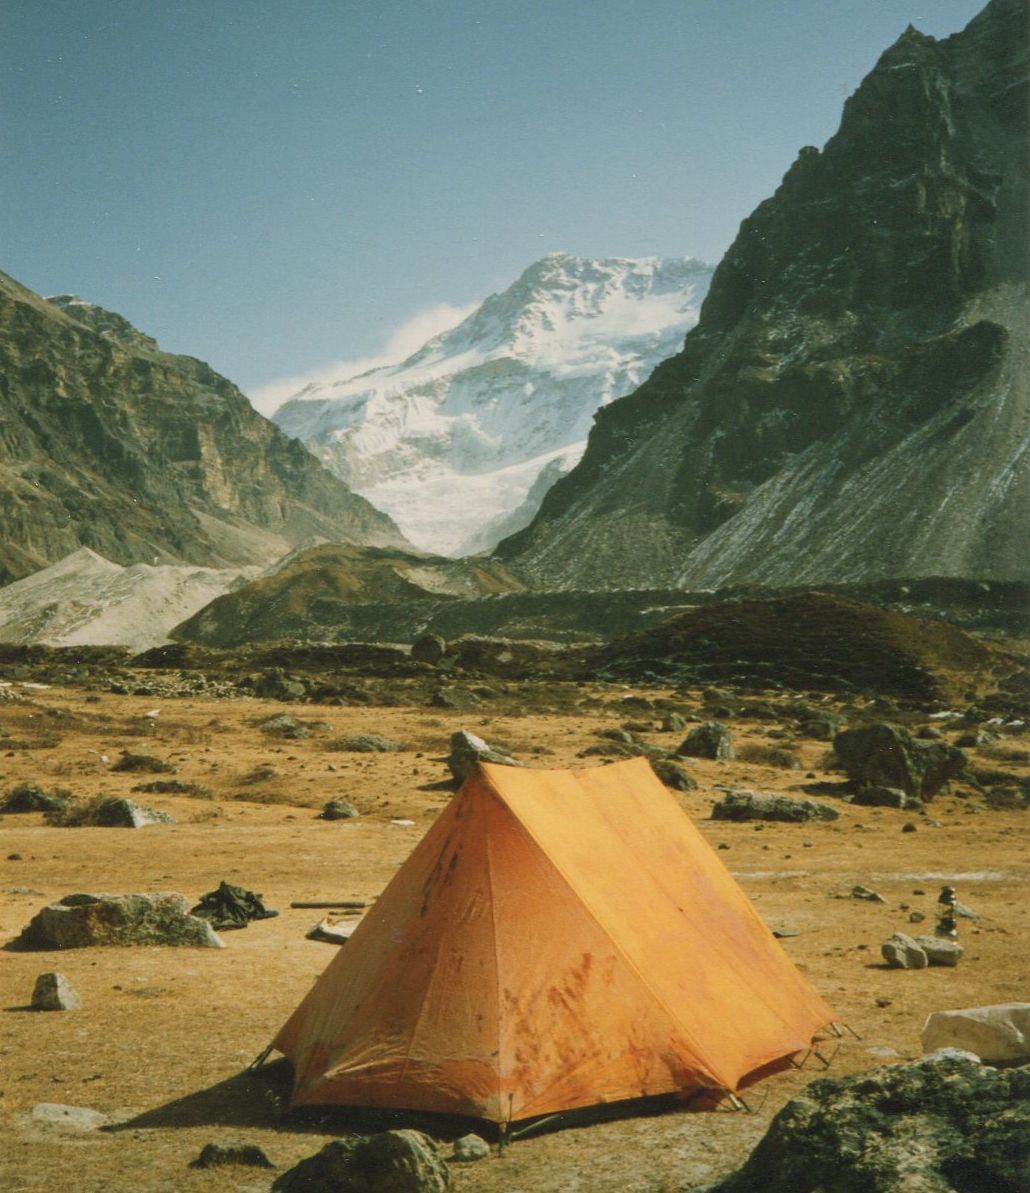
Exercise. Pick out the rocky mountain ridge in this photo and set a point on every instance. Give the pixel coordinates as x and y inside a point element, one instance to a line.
<point>854,402</point>
<point>108,443</point>
<point>478,422</point>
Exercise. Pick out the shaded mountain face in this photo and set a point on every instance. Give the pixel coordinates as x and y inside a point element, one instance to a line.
<point>854,402</point>
<point>108,443</point>
<point>466,434</point>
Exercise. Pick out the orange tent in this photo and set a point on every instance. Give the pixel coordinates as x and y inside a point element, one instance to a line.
<point>558,939</point>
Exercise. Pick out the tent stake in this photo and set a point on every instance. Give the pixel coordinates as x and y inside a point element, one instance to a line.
<point>260,1059</point>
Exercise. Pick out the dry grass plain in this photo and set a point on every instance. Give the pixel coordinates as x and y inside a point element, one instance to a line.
<point>164,1035</point>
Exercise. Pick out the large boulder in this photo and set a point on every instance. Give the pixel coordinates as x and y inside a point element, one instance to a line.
<point>80,921</point>
<point>389,1162</point>
<point>748,805</point>
<point>468,751</point>
<point>886,755</point>
<point>942,1124</point>
<point>999,1033</point>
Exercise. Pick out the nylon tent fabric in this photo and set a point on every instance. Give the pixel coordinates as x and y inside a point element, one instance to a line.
<point>558,939</point>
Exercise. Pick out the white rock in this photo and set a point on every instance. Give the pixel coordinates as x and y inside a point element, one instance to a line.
<point>471,1147</point>
<point>995,1033</point>
<point>68,1118</point>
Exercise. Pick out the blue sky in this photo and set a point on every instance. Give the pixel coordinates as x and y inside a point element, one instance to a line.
<point>271,186</point>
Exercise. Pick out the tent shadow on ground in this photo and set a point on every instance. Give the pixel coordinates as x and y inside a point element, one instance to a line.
<point>252,1098</point>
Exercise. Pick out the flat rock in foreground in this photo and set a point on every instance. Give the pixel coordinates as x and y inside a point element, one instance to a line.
<point>81,921</point>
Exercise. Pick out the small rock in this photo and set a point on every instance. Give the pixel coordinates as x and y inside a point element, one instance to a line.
<point>365,743</point>
<point>402,1161</point>
<point>468,750</point>
<point>865,892</point>
<point>285,726</point>
<point>747,805</point>
<point>708,740</point>
<point>53,992</point>
<point>338,809</point>
<point>885,797</point>
<point>471,1147</point>
<point>940,951</point>
<point>215,1155</point>
<point>902,952</point>
<point>458,699</point>
<point>916,917</point>
<point>27,797</point>
<point>68,1118</point>
<point>673,722</point>
<point>909,827</point>
<point>145,763</point>
<point>673,775</point>
<point>81,921</point>
<point>124,813</point>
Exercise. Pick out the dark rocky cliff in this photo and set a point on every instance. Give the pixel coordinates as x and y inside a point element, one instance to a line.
<point>107,442</point>
<point>854,402</point>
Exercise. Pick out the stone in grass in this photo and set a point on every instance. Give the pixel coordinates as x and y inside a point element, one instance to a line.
<point>468,750</point>
<point>217,1155</point>
<point>285,726</point>
<point>673,775</point>
<point>470,1147</point>
<point>67,1118</point>
<point>901,951</point>
<point>124,813</point>
<point>365,743</point>
<point>27,797</point>
<point>82,921</point>
<point>402,1161</point>
<point>886,797</point>
<point>937,1125</point>
<point>145,763</point>
<point>709,740</point>
<point>748,805</point>
<point>338,809</point>
<point>998,1034</point>
<point>940,951</point>
<point>53,992</point>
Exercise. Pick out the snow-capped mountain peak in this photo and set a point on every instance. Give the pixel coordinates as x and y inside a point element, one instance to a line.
<point>453,438</point>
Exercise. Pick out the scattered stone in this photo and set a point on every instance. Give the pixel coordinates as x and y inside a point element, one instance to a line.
<point>285,726</point>
<point>886,755</point>
<point>673,722</point>
<point>81,921</point>
<point>909,827</point>
<point>215,1155</point>
<point>67,1118</point>
<point>430,648</point>
<point>940,1124</point>
<point>147,763</point>
<point>468,750</point>
<point>53,992</point>
<point>885,797</point>
<point>277,685</point>
<point>940,951</point>
<point>365,743</point>
<point>867,893</point>
<point>389,1162</point>
<point>708,740</point>
<point>916,917</point>
<point>902,952</point>
<point>27,797</point>
<point>748,805</point>
<point>673,775</point>
<point>471,1147</point>
<point>996,1034</point>
<point>338,809</point>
